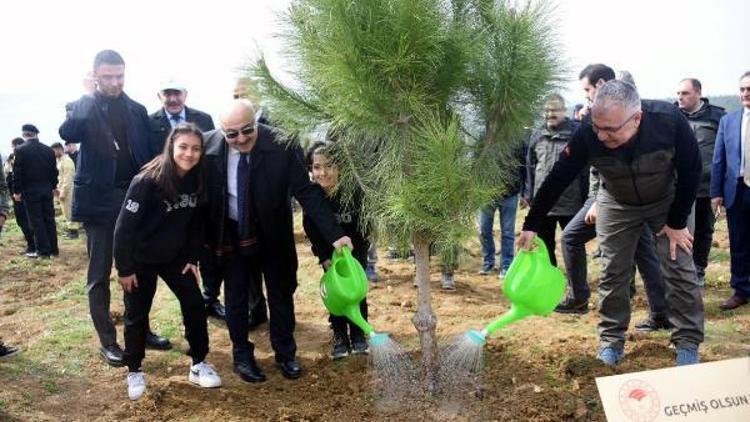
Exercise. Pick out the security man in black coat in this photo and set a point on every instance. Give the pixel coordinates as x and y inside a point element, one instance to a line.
<point>250,229</point>
<point>34,180</point>
<point>19,208</point>
<point>172,95</point>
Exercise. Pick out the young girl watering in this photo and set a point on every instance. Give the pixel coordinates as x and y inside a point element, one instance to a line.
<point>347,337</point>
<point>159,233</point>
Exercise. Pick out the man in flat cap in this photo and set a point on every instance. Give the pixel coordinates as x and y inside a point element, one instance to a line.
<point>34,180</point>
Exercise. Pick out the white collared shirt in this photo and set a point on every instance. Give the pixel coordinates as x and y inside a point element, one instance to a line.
<point>745,118</point>
<point>171,120</point>
<point>232,160</point>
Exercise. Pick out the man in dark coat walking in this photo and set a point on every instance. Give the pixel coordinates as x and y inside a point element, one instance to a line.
<point>34,180</point>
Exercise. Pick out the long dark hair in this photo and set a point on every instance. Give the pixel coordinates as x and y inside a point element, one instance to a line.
<point>319,147</point>
<point>163,169</point>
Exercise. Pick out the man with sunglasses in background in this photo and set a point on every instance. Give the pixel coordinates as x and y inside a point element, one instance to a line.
<point>250,229</point>
<point>650,166</point>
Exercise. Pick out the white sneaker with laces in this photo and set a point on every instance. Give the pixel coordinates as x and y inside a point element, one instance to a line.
<point>136,385</point>
<point>204,375</point>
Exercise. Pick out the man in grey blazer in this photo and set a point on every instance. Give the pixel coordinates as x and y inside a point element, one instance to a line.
<point>730,188</point>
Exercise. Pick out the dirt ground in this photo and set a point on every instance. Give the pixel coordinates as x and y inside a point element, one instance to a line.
<point>540,369</point>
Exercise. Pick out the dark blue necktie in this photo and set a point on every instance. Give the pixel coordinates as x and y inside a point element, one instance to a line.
<point>243,180</point>
<point>176,119</point>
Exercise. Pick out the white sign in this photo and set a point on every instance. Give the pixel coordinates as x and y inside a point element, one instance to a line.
<point>714,391</point>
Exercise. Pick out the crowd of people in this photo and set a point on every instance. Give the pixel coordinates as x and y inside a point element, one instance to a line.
<point>170,196</point>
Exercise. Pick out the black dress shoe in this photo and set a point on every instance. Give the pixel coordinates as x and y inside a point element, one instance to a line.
<point>216,309</point>
<point>249,371</point>
<point>572,306</point>
<point>290,369</point>
<point>112,355</point>
<point>253,321</point>
<point>157,342</point>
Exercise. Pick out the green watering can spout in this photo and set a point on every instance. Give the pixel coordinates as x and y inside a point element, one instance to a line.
<point>343,287</point>
<point>515,313</point>
<point>352,312</point>
<point>532,284</point>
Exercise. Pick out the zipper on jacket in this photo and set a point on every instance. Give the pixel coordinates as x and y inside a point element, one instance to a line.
<point>635,185</point>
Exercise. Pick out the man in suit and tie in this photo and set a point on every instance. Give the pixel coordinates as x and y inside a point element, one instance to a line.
<point>251,177</point>
<point>172,95</point>
<point>730,188</point>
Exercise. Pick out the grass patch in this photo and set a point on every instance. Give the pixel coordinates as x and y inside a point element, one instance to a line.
<point>718,255</point>
<point>52,387</point>
<point>63,348</point>
<point>166,316</point>
<point>74,291</point>
<point>724,331</point>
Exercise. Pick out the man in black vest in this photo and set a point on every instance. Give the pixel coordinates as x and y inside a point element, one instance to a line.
<point>34,180</point>
<point>172,95</point>
<point>650,166</point>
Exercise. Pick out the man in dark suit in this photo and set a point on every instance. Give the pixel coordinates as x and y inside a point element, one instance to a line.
<point>250,229</point>
<point>34,180</point>
<point>172,95</point>
<point>730,188</point>
<point>19,208</point>
<point>116,139</point>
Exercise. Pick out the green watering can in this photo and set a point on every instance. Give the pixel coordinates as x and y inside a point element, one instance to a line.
<point>343,287</point>
<point>532,284</point>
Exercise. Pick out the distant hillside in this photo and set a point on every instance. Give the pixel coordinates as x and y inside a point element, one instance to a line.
<point>729,102</point>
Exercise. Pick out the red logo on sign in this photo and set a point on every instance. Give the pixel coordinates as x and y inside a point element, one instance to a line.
<point>639,401</point>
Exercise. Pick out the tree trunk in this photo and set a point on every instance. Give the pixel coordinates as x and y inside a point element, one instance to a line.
<point>424,320</point>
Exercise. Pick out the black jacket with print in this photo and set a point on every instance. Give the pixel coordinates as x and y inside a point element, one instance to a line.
<point>152,230</point>
<point>348,218</point>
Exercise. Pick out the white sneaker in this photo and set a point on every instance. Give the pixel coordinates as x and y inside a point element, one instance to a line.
<point>203,374</point>
<point>136,385</point>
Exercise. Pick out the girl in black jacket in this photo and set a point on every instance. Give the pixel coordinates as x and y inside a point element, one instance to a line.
<point>347,337</point>
<point>158,233</point>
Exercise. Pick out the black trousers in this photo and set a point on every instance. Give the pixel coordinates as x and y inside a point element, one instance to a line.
<point>547,233</point>
<point>41,214</point>
<point>19,209</point>
<point>704,233</point>
<point>242,279</point>
<point>210,277</point>
<point>138,304</point>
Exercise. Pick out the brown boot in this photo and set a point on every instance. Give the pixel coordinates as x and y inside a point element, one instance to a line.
<point>733,302</point>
